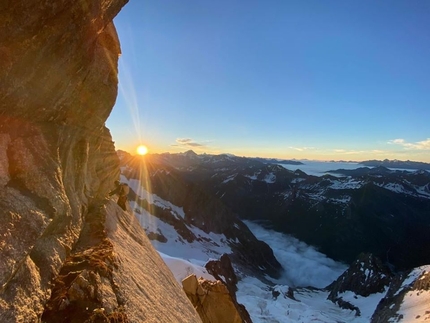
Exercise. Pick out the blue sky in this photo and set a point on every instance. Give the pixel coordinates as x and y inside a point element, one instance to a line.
<point>342,80</point>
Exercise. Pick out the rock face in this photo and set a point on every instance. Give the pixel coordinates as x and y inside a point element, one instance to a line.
<point>367,275</point>
<point>58,84</point>
<point>114,275</point>
<point>408,291</point>
<point>223,270</point>
<point>212,300</point>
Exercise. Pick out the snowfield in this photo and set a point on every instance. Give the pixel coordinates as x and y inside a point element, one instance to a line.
<point>416,303</point>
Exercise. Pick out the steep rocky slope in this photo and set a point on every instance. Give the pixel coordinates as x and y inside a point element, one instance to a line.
<point>407,299</point>
<point>58,84</point>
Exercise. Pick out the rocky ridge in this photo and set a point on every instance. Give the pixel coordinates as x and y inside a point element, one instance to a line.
<point>375,210</point>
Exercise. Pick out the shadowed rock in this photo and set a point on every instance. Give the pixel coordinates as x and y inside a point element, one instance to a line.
<point>366,276</point>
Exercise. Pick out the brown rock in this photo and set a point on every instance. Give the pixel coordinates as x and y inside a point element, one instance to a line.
<point>223,270</point>
<point>58,84</point>
<point>119,279</point>
<point>58,257</point>
<point>212,300</point>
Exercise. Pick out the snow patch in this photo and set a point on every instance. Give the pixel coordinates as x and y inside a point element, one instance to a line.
<point>230,178</point>
<point>270,178</point>
<point>135,185</point>
<point>349,184</point>
<point>253,177</point>
<point>344,199</point>
<point>182,268</point>
<point>394,187</point>
<point>297,180</point>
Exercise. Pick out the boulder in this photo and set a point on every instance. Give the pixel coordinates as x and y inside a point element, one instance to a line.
<point>222,270</point>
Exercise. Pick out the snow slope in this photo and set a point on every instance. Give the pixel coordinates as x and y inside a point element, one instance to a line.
<point>415,306</point>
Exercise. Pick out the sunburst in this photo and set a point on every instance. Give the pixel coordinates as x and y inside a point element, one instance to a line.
<point>142,150</point>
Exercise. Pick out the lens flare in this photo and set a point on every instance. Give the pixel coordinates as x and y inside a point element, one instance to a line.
<point>142,150</point>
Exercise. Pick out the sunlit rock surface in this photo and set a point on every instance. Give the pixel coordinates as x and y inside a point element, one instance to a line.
<point>114,275</point>
<point>58,84</point>
<point>212,300</point>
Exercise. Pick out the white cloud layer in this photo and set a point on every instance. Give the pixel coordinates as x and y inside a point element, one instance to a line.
<point>304,266</point>
<point>302,148</point>
<point>419,145</point>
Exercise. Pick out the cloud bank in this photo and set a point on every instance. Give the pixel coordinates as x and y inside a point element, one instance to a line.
<point>304,266</point>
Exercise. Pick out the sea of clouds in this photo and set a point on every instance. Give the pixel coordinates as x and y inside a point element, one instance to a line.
<point>303,265</point>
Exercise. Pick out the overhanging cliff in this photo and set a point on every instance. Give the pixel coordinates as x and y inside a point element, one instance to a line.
<point>58,84</point>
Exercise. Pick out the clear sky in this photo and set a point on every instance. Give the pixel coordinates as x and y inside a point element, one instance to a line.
<point>342,80</point>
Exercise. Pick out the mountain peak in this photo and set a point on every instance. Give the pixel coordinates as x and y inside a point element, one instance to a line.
<point>189,153</point>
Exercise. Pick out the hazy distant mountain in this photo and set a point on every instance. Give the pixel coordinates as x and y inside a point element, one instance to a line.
<point>397,164</point>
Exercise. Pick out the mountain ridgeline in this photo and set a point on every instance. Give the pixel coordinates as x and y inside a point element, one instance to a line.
<point>192,206</point>
<point>372,210</point>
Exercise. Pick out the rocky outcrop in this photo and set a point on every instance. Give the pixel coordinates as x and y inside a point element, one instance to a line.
<point>212,300</point>
<point>223,270</point>
<point>367,275</point>
<point>407,299</point>
<point>58,84</point>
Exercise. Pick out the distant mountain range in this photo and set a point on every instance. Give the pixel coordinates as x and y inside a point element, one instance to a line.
<point>375,210</point>
<point>396,164</point>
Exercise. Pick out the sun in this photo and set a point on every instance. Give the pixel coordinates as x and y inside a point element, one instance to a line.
<point>142,150</point>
